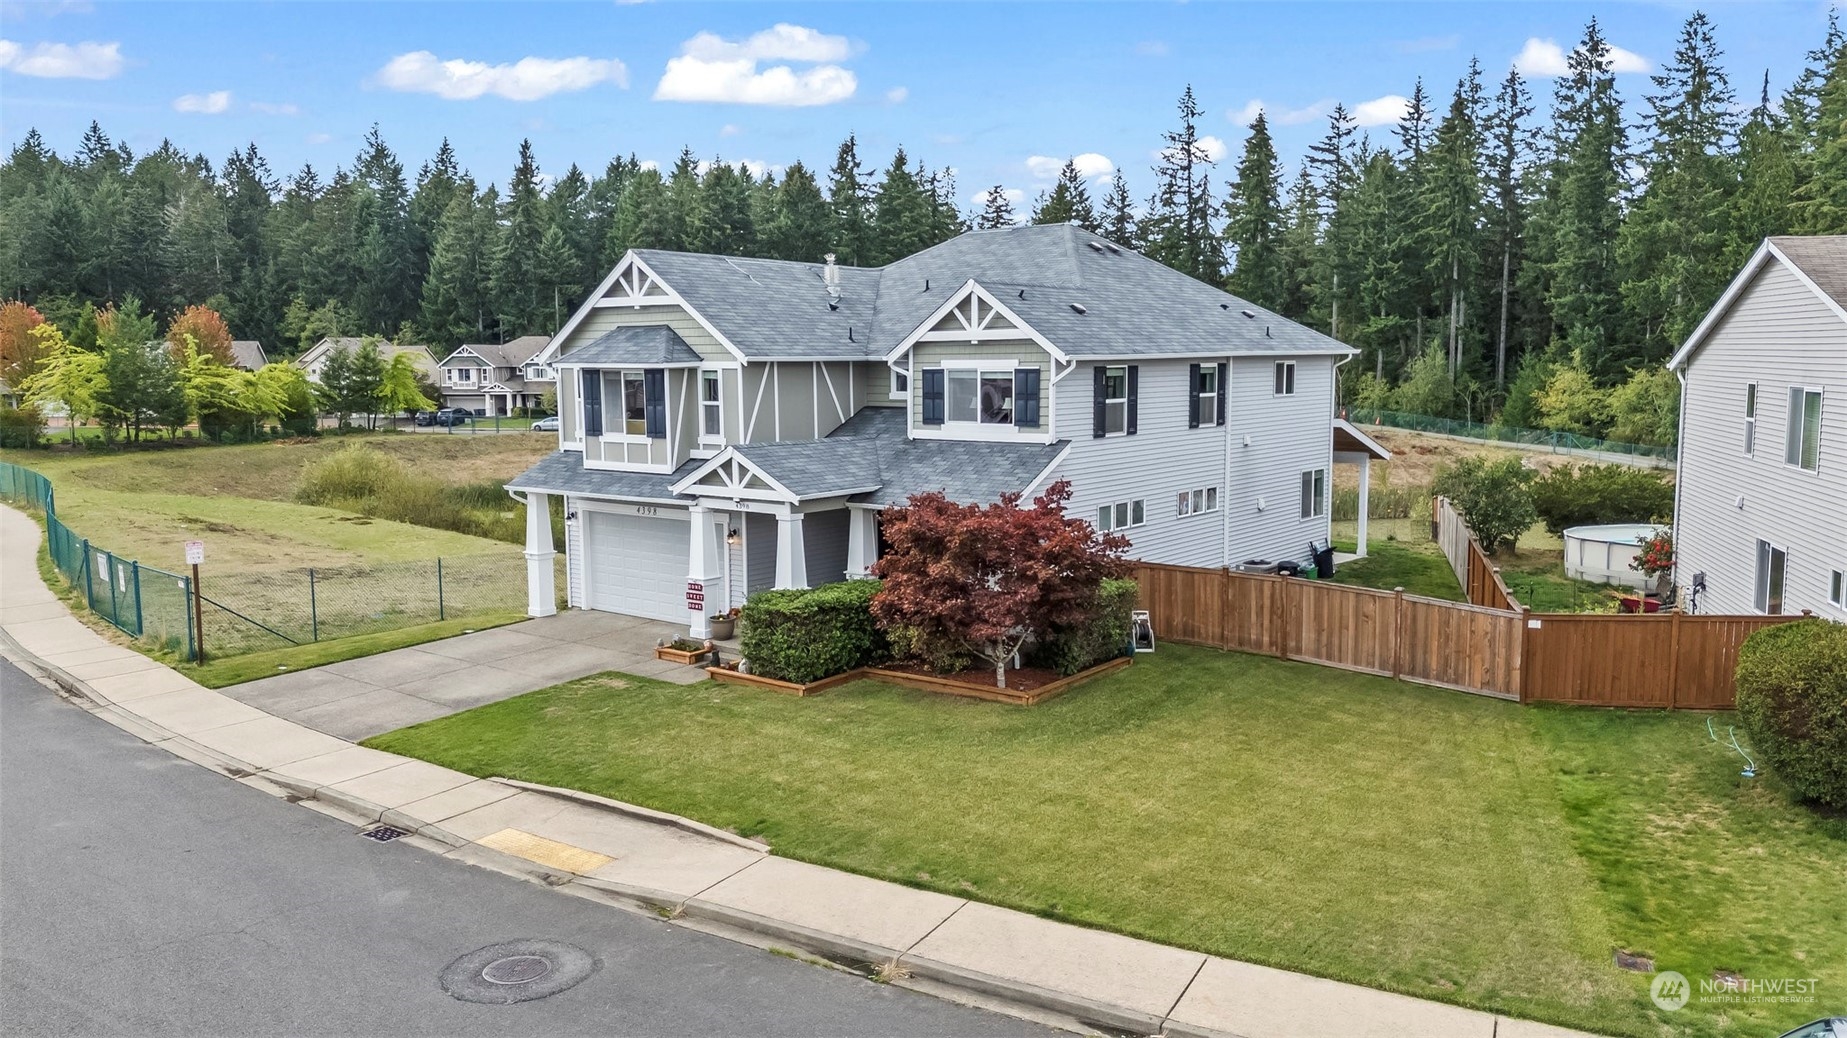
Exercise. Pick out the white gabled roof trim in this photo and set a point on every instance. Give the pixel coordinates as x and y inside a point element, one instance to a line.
<point>630,261</point>
<point>1372,446</point>
<point>1026,492</point>
<point>1020,329</point>
<point>688,483</point>
<point>1749,274</point>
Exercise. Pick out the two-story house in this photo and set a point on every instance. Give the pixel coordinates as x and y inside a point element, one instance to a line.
<point>1760,516</point>
<point>497,379</point>
<point>314,358</point>
<point>735,424</point>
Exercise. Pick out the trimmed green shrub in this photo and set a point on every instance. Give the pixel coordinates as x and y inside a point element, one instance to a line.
<point>1103,638</point>
<point>941,655</point>
<point>1589,495</point>
<point>21,426</point>
<point>1792,699</point>
<point>807,634</point>
<point>1494,496</point>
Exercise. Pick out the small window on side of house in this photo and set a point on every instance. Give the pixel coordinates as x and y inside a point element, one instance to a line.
<point>1772,571</point>
<point>1750,418</point>
<point>1115,400</point>
<point>1208,394</point>
<point>900,385</point>
<point>1120,516</point>
<point>1314,493</point>
<point>711,407</point>
<point>1837,589</point>
<point>1802,437</point>
<point>1285,378</point>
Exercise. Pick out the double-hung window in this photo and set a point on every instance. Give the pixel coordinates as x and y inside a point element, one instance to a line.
<point>711,408</point>
<point>1285,378</point>
<point>1750,418</point>
<point>634,404</point>
<point>464,375</point>
<point>1120,516</point>
<point>1837,589</point>
<point>1772,569</point>
<point>1115,400</point>
<point>1206,385</point>
<point>1314,493</point>
<point>1802,440</point>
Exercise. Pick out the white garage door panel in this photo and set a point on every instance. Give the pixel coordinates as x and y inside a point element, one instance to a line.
<point>637,565</point>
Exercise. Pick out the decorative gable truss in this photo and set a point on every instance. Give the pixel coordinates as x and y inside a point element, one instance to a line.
<point>635,286</point>
<point>632,284</point>
<point>731,477</point>
<point>971,315</point>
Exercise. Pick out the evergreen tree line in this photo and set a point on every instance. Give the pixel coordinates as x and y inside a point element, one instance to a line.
<point>1485,259</point>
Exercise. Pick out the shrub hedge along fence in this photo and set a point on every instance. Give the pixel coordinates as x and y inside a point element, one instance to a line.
<point>1792,698</point>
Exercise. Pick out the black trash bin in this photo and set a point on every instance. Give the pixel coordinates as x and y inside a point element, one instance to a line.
<point>1324,558</point>
<point>1287,568</point>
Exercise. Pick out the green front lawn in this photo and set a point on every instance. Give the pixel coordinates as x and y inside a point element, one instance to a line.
<point>1448,846</point>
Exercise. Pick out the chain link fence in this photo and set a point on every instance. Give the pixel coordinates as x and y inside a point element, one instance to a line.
<point>1548,438</point>
<point>247,612</point>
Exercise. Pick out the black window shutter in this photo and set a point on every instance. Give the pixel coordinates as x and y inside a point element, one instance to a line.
<point>1224,399</point>
<point>654,402</point>
<point>1133,371</point>
<point>1026,398</point>
<point>593,403</point>
<point>1192,396</point>
<point>1097,408</point>
<point>933,396</point>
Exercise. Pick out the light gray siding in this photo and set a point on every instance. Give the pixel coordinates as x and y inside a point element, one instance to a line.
<point>874,382</point>
<point>794,388</point>
<point>1288,435</point>
<point>734,560</point>
<point>568,433</point>
<point>1777,334</point>
<point>824,543</point>
<point>573,555</point>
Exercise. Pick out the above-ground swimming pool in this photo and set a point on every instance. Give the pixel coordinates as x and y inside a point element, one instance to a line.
<point>1603,553</point>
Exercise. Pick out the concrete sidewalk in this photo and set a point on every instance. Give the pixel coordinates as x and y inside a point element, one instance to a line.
<point>698,877</point>
<point>357,699</point>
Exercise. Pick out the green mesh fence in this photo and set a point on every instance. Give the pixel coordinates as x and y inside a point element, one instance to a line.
<point>252,611</point>
<point>1504,433</point>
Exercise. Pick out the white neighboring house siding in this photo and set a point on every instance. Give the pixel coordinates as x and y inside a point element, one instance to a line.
<point>1778,334</point>
<point>1289,435</point>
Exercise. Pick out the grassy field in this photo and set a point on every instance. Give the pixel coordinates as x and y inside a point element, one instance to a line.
<point>1447,846</point>
<point>1402,555</point>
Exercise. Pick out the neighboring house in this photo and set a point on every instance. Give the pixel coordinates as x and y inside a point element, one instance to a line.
<point>9,397</point>
<point>1761,508</point>
<point>497,379</point>
<point>247,354</point>
<point>736,424</point>
<point>315,357</point>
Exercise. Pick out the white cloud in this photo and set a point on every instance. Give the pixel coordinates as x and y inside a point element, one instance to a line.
<point>214,103</point>
<point>710,68</point>
<point>267,108</point>
<point>62,60</point>
<point>1090,166</point>
<point>319,138</point>
<point>756,167</point>
<point>1544,57</point>
<point>650,164</point>
<point>528,79</point>
<point>1014,195</point>
<point>730,130</point>
<point>1381,111</point>
<point>1279,116</point>
<point>897,95</point>
<point>1151,49</point>
<point>1214,149</point>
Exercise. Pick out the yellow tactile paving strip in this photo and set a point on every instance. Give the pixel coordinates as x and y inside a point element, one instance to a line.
<point>549,853</point>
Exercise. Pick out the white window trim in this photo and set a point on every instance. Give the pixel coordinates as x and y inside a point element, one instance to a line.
<point>894,392</point>
<point>1318,508</point>
<point>1209,497</point>
<point>1753,399</point>
<point>1760,588</point>
<point>1287,367</point>
<point>1110,401</point>
<point>981,368</point>
<point>1131,507</point>
<point>1837,588</point>
<point>1210,371</point>
<point>717,405</point>
<point>1794,418</point>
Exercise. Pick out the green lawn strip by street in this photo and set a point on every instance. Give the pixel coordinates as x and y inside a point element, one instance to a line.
<point>233,670</point>
<point>1447,846</point>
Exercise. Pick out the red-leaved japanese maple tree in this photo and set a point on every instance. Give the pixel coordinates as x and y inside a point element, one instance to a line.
<point>990,578</point>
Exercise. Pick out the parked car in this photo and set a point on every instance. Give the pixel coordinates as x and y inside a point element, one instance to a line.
<point>453,416</point>
<point>1829,1027</point>
<point>546,424</point>
<point>423,417</point>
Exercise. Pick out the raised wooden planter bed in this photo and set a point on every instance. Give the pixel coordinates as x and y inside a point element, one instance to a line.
<point>673,655</point>
<point>926,682</point>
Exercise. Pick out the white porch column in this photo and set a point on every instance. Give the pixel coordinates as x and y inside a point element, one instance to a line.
<point>701,566</point>
<point>862,541</point>
<point>1365,499</point>
<point>541,579</point>
<point>791,553</point>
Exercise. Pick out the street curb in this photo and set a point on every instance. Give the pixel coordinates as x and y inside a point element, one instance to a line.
<point>71,685</point>
<point>1096,1014</point>
<point>633,811</point>
<point>843,950</point>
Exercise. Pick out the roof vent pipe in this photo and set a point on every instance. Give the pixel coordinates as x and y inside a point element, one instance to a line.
<point>926,284</point>
<point>830,276</point>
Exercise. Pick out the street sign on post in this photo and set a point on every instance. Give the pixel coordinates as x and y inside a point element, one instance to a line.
<point>195,554</point>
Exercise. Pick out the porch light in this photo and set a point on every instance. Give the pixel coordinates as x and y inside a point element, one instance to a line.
<point>732,538</point>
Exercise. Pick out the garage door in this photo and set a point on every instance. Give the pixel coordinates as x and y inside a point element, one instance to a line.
<point>637,565</point>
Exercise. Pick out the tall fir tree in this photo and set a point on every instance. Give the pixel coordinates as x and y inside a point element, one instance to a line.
<point>1450,203</point>
<point>522,300</point>
<point>1068,201</point>
<point>1178,229</point>
<point>901,212</point>
<point>1119,220</point>
<point>851,240</point>
<point>803,227</point>
<point>996,210</point>
<point>1507,153</point>
<point>1254,222</point>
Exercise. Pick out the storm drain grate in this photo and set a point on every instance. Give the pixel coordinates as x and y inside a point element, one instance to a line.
<point>384,833</point>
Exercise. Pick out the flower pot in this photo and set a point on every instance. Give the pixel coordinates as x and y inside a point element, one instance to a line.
<point>724,627</point>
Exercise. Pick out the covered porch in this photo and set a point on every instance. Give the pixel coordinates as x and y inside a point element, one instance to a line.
<point>1353,447</point>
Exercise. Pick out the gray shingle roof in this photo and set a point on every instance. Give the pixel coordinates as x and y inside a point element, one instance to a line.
<point>817,468</point>
<point>248,354</point>
<point>638,344</point>
<point>511,354</point>
<point>1822,257</point>
<point>563,472</point>
<point>1133,306</point>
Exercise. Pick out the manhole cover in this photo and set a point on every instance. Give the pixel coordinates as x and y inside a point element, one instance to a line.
<point>517,971</point>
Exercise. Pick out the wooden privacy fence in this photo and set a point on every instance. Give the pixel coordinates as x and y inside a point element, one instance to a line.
<point>1479,578</point>
<point>1600,659</point>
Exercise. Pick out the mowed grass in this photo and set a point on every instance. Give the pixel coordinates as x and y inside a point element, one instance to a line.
<point>145,505</point>
<point>1425,841</point>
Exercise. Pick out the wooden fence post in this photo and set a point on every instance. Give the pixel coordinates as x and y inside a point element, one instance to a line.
<point>1282,621</point>
<point>1673,661</point>
<point>1225,614</point>
<point>1397,632</point>
<point>1526,646</point>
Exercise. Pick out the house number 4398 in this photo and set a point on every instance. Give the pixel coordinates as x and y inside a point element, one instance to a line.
<point>646,510</point>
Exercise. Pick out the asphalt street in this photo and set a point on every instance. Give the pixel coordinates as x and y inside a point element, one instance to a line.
<point>143,895</point>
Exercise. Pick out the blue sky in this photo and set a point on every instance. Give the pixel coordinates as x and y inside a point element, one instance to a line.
<point>1001,92</point>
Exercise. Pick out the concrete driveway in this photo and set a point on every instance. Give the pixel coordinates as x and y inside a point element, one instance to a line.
<point>357,699</point>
